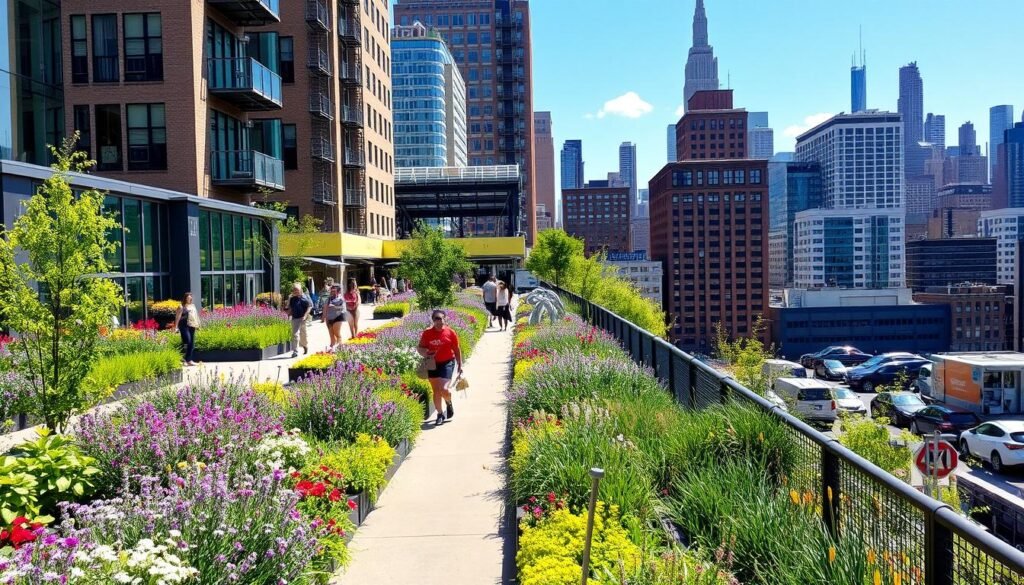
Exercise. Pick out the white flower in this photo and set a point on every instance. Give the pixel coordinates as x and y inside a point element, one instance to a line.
<point>174,534</point>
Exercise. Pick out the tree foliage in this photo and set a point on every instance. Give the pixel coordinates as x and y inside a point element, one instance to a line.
<point>49,294</point>
<point>431,262</point>
<point>553,255</point>
<point>745,356</point>
<point>292,267</point>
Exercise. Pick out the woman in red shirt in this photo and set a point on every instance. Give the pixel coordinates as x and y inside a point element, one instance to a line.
<point>440,342</point>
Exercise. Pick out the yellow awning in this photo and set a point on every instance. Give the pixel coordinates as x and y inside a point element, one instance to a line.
<point>337,245</point>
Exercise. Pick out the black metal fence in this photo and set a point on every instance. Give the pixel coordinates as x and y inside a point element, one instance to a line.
<point>923,537</point>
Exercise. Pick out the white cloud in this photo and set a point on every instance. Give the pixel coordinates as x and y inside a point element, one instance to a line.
<point>627,105</point>
<point>681,110</point>
<point>809,122</point>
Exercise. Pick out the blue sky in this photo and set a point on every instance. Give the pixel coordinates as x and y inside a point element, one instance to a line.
<point>790,58</point>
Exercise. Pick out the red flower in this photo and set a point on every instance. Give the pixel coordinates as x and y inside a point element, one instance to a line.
<point>318,489</point>
<point>296,475</point>
<point>551,497</point>
<point>304,487</point>
<point>352,505</point>
<point>335,495</point>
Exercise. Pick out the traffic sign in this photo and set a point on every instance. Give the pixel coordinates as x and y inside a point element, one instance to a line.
<point>936,459</point>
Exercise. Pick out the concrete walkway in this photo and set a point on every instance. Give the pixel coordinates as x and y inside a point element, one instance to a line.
<point>439,520</point>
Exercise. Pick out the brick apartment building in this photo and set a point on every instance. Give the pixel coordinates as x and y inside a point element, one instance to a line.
<point>598,215</point>
<point>231,98</point>
<point>977,315</point>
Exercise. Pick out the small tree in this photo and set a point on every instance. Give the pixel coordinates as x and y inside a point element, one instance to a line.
<point>745,356</point>
<point>53,301</point>
<point>430,262</point>
<point>292,268</point>
<point>552,255</point>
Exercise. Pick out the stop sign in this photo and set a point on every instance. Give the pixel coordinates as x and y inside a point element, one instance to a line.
<point>938,459</point>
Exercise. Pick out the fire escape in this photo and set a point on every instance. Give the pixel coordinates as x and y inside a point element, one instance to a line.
<point>512,112</point>
<point>321,110</point>
<point>354,155</point>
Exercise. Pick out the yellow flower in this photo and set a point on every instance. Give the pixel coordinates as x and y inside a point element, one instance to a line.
<point>896,579</point>
<point>831,554</point>
<point>760,437</point>
<point>182,465</point>
<point>795,497</point>
<point>829,492</point>
<point>871,556</point>
<point>878,577</point>
<point>201,465</point>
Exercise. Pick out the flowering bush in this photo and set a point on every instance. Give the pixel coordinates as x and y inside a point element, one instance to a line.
<point>20,531</point>
<point>381,357</point>
<point>363,464</point>
<point>273,391</point>
<point>316,361</point>
<point>36,475</point>
<point>286,450</point>
<point>239,327</point>
<point>323,501</point>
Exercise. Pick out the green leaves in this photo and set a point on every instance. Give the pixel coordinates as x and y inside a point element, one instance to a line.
<point>430,262</point>
<point>553,254</point>
<point>38,474</point>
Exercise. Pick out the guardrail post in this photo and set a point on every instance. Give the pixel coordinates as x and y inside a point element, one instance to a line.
<point>723,391</point>
<point>830,491</point>
<point>938,552</point>
<point>692,390</point>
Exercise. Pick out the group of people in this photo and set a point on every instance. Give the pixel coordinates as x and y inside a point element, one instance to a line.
<point>384,287</point>
<point>498,300</point>
<point>338,307</point>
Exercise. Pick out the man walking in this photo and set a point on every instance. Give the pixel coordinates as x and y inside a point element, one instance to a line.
<point>490,289</point>
<point>299,306</point>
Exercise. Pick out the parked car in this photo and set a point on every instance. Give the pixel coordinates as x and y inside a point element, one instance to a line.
<point>848,356</point>
<point>773,368</point>
<point>884,375</point>
<point>884,358</point>
<point>923,383</point>
<point>898,407</point>
<point>808,358</point>
<point>831,370</point>
<point>1000,442</point>
<point>810,399</point>
<point>943,418</point>
<point>848,402</point>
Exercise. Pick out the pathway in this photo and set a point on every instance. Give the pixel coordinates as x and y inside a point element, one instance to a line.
<point>439,521</point>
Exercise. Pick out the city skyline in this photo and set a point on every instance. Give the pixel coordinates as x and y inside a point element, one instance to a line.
<point>636,106</point>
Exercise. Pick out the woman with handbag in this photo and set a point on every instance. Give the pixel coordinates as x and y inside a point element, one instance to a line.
<point>187,320</point>
<point>352,307</point>
<point>502,310</point>
<point>440,344</point>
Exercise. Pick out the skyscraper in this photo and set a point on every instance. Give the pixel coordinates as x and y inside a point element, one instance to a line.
<point>1000,119</point>
<point>935,130</point>
<point>544,147</point>
<point>627,170</point>
<point>859,84</point>
<point>670,143</point>
<point>1014,165</point>
<point>968,141</point>
<point>572,164</point>
<point>760,137</point>
<point>490,40</point>
<point>701,64</point>
<point>911,108</point>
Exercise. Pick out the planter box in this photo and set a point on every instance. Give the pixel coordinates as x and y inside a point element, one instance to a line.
<point>243,355</point>
<point>129,388</point>
<point>428,408</point>
<point>362,499</point>
<point>296,374</point>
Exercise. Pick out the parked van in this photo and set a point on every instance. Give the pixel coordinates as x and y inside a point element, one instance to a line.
<point>810,399</point>
<point>773,369</point>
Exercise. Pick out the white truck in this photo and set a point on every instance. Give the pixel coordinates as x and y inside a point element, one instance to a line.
<point>525,281</point>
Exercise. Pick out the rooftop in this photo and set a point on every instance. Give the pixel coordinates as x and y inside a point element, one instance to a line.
<point>988,358</point>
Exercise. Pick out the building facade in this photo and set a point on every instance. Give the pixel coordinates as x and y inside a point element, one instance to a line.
<point>848,248</point>
<point>646,275</point>
<point>792,187</point>
<point>709,226</point>
<point>701,63</point>
<point>910,106</point>
<point>627,168</point>
<point>544,147</point>
<point>1012,163</point>
<point>861,159</point>
<point>858,88</point>
<point>1000,119</point>
<point>429,100</point>
<point>944,262</point>
<point>977,314</point>
<point>1007,227</point>
<point>760,136</point>
<point>490,40</point>
<point>599,216</point>
<point>968,140</point>
<point>719,132</point>
<point>572,164</point>
<point>670,143</point>
<point>935,130</point>
<point>169,243</point>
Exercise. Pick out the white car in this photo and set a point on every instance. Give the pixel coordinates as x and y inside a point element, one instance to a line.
<point>1000,442</point>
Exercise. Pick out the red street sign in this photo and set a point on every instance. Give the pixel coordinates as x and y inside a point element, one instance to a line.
<point>938,460</point>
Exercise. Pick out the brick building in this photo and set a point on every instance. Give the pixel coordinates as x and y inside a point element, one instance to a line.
<point>977,315</point>
<point>598,215</point>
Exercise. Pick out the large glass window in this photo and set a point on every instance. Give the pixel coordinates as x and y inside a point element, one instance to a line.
<point>108,137</point>
<point>133,235</point>
<point>105,66</point>
<point>287,55</point>
<point>143,47</point>
<point>79,50</point>
<point>112,209</point>
<point>147,137</point>
<point>84,128</point>
<point>229,250</point>
<point>217,242</point>
<point>239,242</point>
<point>136,298</point>
<point>207,292</point>
<point>205,258</point>
<point>291,147</point>
<point>151,219</point>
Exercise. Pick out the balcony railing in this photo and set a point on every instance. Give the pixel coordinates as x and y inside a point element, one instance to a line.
<point>354,158</point>
<point>352,116</point>
<point>349,31</point>
<point>322,148</point>
<point>249,12</point>
<point>355,197</point>
<point>323,192</point>
<point>245,82</point>
<point>317,15</point>
<point>319,60</point>
<point>855,494</point>
<point>320,105</point>
<point>350,74</point>
<point>247,169</point>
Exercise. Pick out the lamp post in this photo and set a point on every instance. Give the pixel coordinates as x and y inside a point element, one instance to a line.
<point>596,473</point>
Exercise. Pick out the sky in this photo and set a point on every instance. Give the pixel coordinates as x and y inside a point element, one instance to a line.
<point>611,70</point>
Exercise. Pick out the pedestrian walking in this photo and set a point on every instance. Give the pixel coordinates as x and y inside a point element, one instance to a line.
<point>504,305</point>
<point>490,289</point>
<point>334,314</point>
<point>352,306</point>
<point>441,343</point>
<point>401,285</point>
<point>299,307</point>
<point>187,319</point>
<point>393,285</point>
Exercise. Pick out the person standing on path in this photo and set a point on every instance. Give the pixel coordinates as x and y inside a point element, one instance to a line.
<point>299,306</point>
<point>352,306</point>
<point>504,305</point>
<point>187,319</point>
<point>334,314</point>
<point>490,289</point>
<point>393,285</point>
<point>441,342</point>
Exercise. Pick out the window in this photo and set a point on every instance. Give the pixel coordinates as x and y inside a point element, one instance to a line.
<point>105,68</point>
<point>286,48</point>
<point>108,137</point>
<point>79,50</point>
<point>291,147</point>
<point>83,126</point>
<point>147,137</point>
<point>712,177</point>
<point>755,177</point>
<point>143,47</point>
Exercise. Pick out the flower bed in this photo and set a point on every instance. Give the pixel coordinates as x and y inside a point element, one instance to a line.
<point>727,479</point>
<point>241,333</point>
<point>392,309</point>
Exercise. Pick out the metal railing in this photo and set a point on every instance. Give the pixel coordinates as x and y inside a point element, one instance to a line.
<point>349,73</point>
<point>354,158</point>
<point>316,14</point>
<point>321,148</point>
<point>940,545</point>
<point>352,116</point>
<point>243,74</point>
<point>354,197</point>
<point>246,168</point>
<point>414,175</point>
<point>348,30</point>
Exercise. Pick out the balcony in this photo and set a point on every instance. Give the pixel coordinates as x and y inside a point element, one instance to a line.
<point>317,15</point>
<point>321,149</point>
<point>245,82</point>
<point>352,117</point>
<point>350,74</point>
<point>246,169</point>
<point>319,60</point>
<point>320,106</point>
<point>249,12</point>
<point>323,193</point>
<point>355,197</point>
<point>349,31</point>
<point>354,158</point>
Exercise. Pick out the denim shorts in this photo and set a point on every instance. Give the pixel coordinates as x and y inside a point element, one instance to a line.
<point>444,370</point>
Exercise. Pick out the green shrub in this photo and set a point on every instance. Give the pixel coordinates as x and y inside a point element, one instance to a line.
<point>38,474</point>
<point>223,337</point>
<point>363,463</point>
<point>419,387</point>
<point>870,439</point>
<point>391,310</point>
<point>111,371</point>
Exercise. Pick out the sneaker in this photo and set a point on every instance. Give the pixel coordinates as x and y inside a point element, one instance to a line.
<point>192,364</point>
<point>305,350</point>
<point>440,419</point>
<point>295,354</point>
<point>450,411</point>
